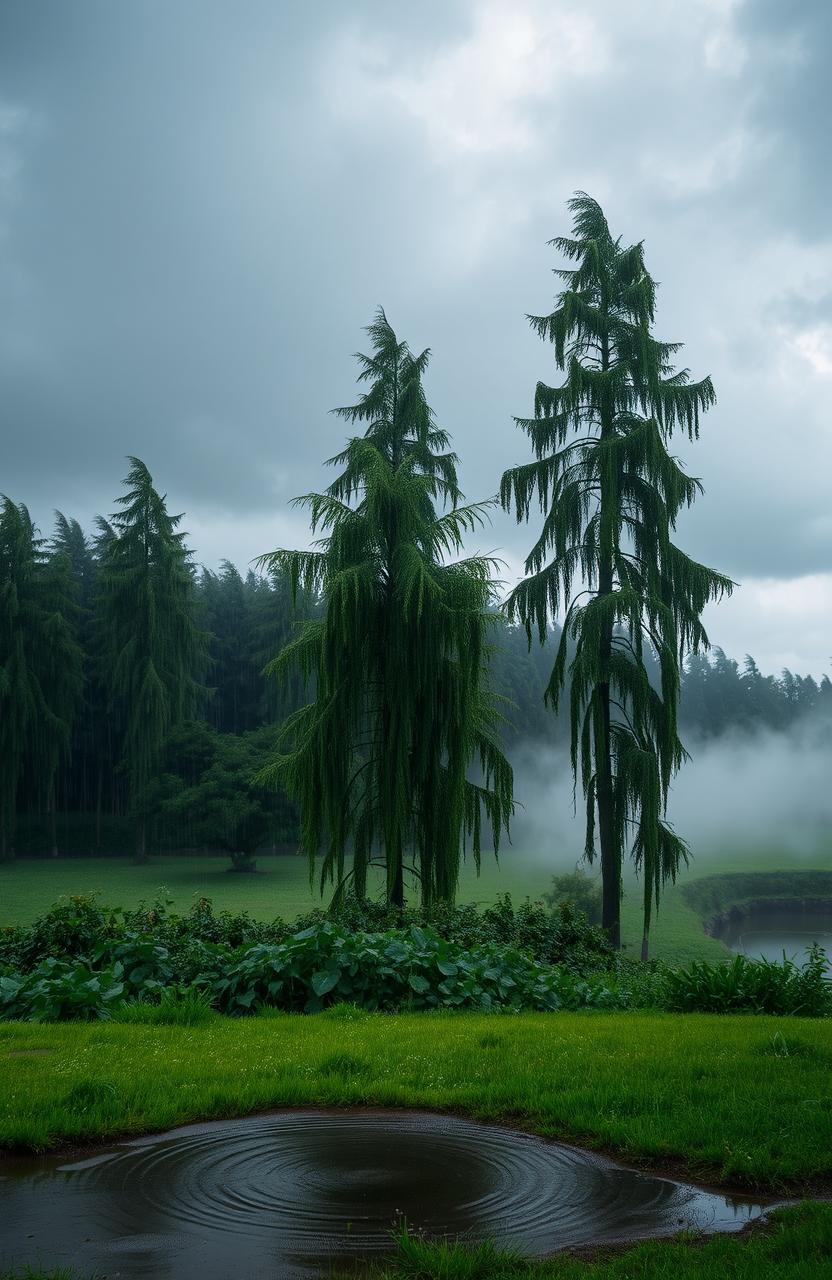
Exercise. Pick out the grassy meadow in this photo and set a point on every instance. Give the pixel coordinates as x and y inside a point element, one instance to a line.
<point>28,887</point>
<point>740,1100</point>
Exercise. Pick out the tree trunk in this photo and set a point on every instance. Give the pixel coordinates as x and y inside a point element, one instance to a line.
<point>610,851</point>
<point>141,842</point>
<point>98,807</point>
<point>397,892</point>
<point>645,948</point>
<point>52,822</point>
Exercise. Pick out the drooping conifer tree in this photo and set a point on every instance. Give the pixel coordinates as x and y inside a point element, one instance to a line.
<point>379,761</point>
<point>610,493</point>
<point>153,651</point>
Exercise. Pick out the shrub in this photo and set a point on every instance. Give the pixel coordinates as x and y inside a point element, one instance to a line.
<point>70,929</point>
<point>413,968</point>
<point>58,990</point>
<point>580,891</point>
<point>563,936</point>
<point>757,986</point>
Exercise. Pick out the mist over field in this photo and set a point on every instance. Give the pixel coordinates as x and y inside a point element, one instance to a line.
<point>741,793</point>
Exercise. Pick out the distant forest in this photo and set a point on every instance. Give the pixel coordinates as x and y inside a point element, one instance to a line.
<point>135,711</point>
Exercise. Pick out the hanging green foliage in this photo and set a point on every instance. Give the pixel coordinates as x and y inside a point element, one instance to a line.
<point>378,762</point>
<point>610,494</point>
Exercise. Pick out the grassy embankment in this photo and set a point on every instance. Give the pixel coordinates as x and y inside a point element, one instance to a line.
<point>29,887</point>
<point>741,1100</point>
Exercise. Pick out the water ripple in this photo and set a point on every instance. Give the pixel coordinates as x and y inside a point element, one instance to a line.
<point>291,1193</point>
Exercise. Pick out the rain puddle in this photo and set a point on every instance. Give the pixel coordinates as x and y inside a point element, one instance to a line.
<point>298,1193</point>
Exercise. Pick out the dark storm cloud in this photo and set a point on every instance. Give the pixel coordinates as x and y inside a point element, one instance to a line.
<point>175,246</point>
<point>202,203</point>
<point>790,89</point>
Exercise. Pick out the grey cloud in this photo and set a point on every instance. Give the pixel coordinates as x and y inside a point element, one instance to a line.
<point>206,202</point>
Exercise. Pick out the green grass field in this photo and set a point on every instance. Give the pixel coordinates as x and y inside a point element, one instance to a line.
<point>743,1100</point>
<point>29,887</point>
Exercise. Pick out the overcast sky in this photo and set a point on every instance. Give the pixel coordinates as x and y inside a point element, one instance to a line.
<point>202,203</point>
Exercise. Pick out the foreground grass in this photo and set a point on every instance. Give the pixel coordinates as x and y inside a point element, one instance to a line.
<point>797,1246</point>
<point>29,887</point>
<point>742,1100</point>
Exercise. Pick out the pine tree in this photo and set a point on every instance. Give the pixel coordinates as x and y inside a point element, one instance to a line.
<point>154,651</point>
<point>378,762</point>
<point>41,673</point>
<point>610,493</point>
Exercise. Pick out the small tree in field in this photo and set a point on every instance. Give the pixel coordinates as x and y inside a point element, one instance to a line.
<point>610,494</point>
<point>378,761</point>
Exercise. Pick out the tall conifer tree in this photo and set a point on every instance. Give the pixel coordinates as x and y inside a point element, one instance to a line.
<point>41,674</point>
<point>378,761</point>
<point>154,651</point>
<point>610,494</point>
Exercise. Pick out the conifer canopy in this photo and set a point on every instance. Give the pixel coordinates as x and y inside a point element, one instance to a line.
<point>610,494</point>
<point>152,650</point>
<point>397,656</point>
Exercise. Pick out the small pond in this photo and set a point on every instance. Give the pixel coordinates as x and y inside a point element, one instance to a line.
<point>294,1193</point>
<point>767,932</point>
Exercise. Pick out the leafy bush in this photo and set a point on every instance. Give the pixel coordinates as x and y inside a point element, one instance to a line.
<point>71,928</point>
<point>318,967</point>
<point>151,966</point>
<point>79,927</point>
<point>562,936</point>
<point>758,986</point>
<point>413,968</point>
<point>580,891</point>
<point>59,990</point>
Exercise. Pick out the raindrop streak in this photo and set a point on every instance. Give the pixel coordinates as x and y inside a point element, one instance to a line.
<point>292,1193</point>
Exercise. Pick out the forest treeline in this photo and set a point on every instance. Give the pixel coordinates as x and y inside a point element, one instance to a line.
<point>115,735</point>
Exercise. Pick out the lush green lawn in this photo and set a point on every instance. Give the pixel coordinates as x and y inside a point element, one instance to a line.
<point>28,887</point>
<point>741,1099</point>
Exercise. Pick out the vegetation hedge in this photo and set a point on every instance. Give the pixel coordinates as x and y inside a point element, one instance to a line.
<point>85,961</point>
<point>713,894</point>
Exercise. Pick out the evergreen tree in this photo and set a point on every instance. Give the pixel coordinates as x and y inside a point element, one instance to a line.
<point>610,493</point>
<point>70,544</point>
<point>40,665</point>
<point>226,615</point>
<point>154,651</point>
<point>380,758</point>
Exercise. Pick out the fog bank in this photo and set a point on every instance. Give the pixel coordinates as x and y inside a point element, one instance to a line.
<point>736,796</point>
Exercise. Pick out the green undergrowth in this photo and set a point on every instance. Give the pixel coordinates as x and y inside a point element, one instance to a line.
<point>86,961</point>
<point>739,1099</point>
